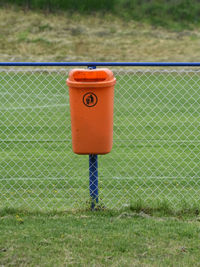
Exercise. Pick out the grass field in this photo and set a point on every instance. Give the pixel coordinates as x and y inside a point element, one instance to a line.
<point>148,214</point>
<point>149,187</point>
<point>97,239</point>
<point>35,36</point>
<point>151,175</point>
<point>172,14</point>
<point>154,162</point>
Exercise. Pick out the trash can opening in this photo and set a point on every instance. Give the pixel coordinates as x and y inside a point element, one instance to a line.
<point>90,76</point>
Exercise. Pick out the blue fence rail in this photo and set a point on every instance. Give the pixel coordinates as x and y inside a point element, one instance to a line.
<point>101,64</point>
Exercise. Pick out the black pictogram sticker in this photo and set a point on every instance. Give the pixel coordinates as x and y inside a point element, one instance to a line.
<point>90,99</point>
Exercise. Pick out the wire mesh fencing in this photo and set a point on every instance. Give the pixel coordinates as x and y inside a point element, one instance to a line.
<point>156,148</point>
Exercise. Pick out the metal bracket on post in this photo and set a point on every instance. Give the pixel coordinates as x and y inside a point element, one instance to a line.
<point>91,67</point>
<point>93,173</point>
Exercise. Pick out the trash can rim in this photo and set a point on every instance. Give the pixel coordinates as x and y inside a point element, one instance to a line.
<point>89,78</point>
<point>74,84</point>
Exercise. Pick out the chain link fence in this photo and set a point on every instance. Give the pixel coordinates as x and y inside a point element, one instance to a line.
<point>156,150</point>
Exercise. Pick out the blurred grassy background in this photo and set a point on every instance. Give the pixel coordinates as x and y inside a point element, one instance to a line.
<point>176,14</point>
<point>70,36</point>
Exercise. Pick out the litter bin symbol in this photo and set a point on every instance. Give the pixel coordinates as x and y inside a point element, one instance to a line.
<point>90,99</point>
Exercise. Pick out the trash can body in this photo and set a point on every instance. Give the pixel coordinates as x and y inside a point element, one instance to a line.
<point>91,94</point>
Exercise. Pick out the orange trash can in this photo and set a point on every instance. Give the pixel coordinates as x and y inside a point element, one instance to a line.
<point>91,96</point>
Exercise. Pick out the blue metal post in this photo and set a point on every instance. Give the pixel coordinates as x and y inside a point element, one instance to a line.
<point>93,179</point>
<point>93,173</point>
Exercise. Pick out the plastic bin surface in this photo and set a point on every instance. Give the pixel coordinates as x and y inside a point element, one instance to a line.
<point>91,96</point>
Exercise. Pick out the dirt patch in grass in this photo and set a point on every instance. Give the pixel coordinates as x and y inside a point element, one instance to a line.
<point>64,37</point>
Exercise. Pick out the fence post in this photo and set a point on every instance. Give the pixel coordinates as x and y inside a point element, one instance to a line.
<point>93,179</point>
<point>93,174</point>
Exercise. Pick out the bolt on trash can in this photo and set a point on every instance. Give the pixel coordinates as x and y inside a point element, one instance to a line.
<point>91,96</point>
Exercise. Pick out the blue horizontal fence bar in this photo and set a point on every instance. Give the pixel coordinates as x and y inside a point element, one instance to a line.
<point>92,64</point>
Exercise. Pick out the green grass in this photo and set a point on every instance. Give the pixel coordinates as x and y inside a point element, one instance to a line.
<point>171,14</point>
<point>151,175</point>
<point>97,238</point>
<point>45,37</point>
